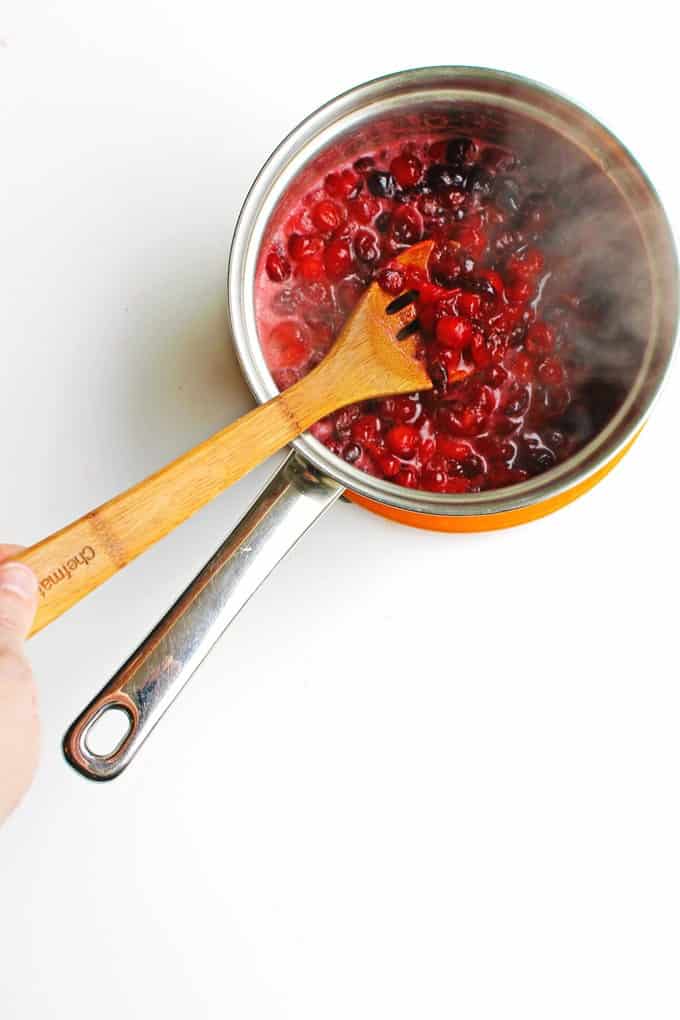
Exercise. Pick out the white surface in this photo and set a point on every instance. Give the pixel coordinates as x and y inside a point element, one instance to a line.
<point>422,776</point>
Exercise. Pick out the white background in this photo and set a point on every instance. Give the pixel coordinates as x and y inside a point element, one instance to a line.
<point>422,776</point>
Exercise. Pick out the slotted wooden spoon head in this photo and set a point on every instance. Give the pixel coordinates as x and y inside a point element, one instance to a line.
<point>368,359</point>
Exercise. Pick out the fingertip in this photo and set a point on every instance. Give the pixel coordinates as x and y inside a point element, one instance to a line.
<point>18,599</point>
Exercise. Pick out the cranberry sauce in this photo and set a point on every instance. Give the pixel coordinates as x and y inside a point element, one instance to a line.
<point>499,333</point>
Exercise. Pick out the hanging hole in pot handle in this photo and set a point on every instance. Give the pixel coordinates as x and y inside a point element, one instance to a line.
<point>153,676</point>
<point>98,742</point>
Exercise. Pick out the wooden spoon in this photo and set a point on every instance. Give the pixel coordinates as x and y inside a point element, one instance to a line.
<point>367,360</point>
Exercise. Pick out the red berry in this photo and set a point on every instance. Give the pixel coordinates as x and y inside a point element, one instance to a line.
<point>415,277</point>
<point>435,475</point>
<point>327,216</point>
<point>341,185</point>
<point>389,465</point>
<point>366,246</point>
<point>519,289</point>
<point>363,209</point>
<point>528,263</point>
<point>322,430</point>
<point>481,354</point>
<point>391,279</point>
<point>406,226</point>
<point>470,304</point>
<point>402,440</point>
<point>473,242</point>
<point>551,371</point>
<point>407,170</point>
<point>366,429</point>
<point>338,259</point>
<point>408,477</point>
<point>405,409</point>
<point>454,332</point>
<point>277,266</point>
<point>523,366</point>
<point>349,291</point>
<point>451,447</point>
<point>311,267</point>
<point>302,245</point>
<point>494,278</point>
<point>426,449</point>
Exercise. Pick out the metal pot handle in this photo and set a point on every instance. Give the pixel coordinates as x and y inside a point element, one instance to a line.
<point>154,675</point>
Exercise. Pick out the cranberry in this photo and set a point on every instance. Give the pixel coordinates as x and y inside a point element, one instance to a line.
<point>380,183</point>
<point>472,466</point>
<point>470,304</point>
<point>528,263</point>
<point>366,246</point>
<point>311,267</point>
<point>519,289</point>
<point>469,414</point>
<point>405,409</point>
<point>389,465</point>
<point>402,440</point>
<point>450,360</point>
<point>338,259</point>
<point>446,264</point>
<point>363,209</point>
<point>302,245</point>
<point>551,371</point>
<point>454,331</point>
<point>352,453</point>
<point>391,279</point>
<point>407,225</point>
<point>349,291</point>
<point>341,185</point>
<point>366,429</point>
<point>454,449</point>
<point>277,266</point>
<point>442,177</point>
<point>382,222</point>
<point>407,477</point>
<point>435,474</point>
<point>407,170</point>
<point>327,216</point>
<point>496,376</point>
<point>322,430</point>
<point>345,418</point>
<point>472,242</point>
<point>517,400</point>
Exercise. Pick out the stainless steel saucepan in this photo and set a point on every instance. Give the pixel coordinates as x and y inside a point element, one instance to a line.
<point>440,100</point>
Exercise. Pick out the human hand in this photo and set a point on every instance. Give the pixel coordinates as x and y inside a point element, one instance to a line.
<point>19,727</point>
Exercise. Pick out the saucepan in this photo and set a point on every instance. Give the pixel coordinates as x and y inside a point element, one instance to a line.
<point>639,256</point>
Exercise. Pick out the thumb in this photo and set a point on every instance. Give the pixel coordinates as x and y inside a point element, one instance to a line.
<point>18,602</point>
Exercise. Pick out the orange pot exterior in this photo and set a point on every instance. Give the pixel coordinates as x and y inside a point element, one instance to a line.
<point>490,522</point>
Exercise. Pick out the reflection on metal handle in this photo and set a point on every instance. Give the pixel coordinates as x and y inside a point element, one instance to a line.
<point>152,678</point>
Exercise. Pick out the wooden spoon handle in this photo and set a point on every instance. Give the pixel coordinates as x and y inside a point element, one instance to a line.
<point>74,561</point>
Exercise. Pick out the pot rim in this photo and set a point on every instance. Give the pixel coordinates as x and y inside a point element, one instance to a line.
<point>515,94</point>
